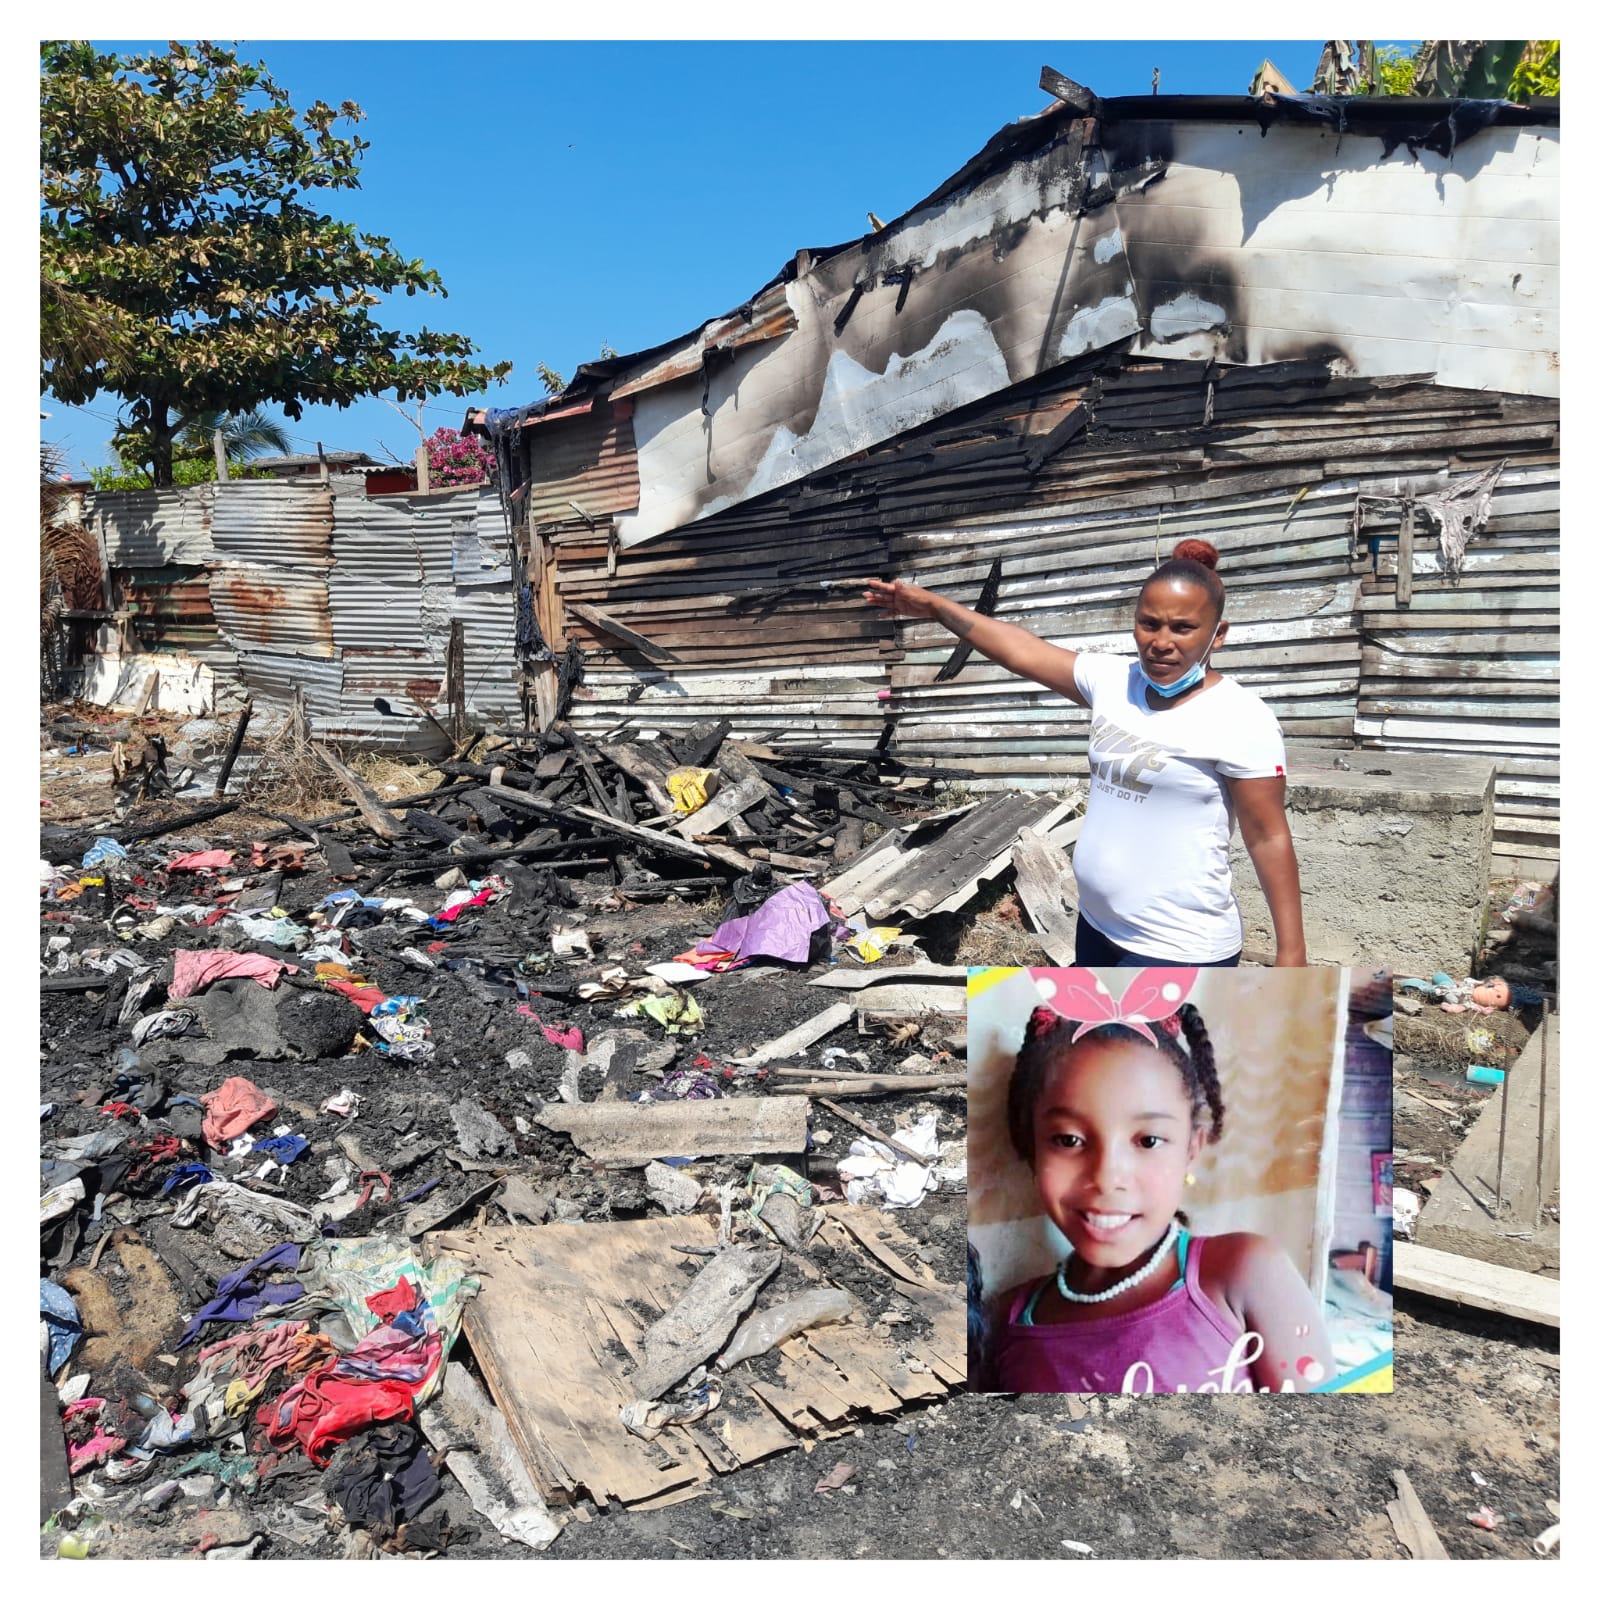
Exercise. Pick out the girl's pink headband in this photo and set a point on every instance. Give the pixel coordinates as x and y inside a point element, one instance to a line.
<point>1153,996</point>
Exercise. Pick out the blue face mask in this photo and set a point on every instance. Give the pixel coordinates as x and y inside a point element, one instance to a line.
<point>1189,679</point>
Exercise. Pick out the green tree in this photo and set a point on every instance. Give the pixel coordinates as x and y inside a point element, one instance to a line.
<point>245,435</point>
<point>177,206</point>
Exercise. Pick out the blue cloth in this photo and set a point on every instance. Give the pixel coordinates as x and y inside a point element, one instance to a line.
<point>187,1177</point>
<point>242,1294</point>
<point>290,1147</point>
<point>102,851</point>
<point>60,1316</point>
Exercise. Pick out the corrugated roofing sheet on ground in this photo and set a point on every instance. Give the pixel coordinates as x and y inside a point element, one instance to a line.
<point>156,528</point>
<point>274,525</point>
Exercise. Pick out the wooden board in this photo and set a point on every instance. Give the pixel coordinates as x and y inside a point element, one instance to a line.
<point>864,977</point>
<point>722,808</point>
<point>1411,1523</point>
<point>801,1038</point>
<point>1464,1281</point>
<point>1049,892</point>
<point>911,999</point>
<point>558,1326</point>
<point>628,1133</point>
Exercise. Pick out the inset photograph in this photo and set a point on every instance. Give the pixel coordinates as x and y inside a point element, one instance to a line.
<point>1180,1180</point>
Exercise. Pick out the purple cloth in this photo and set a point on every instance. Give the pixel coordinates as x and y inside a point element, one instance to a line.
<point>780,926</point>
<point>1182,1338</point>
<point>240,1296</point>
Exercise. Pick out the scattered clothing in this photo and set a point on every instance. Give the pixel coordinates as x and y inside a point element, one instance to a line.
<point>202,861</point>
<point>60,1316</point>
<point>242,1294</point>
<point>233,1107</point>
<point>780,927</point>
<point>194,970</point>
<point>382,1478</point>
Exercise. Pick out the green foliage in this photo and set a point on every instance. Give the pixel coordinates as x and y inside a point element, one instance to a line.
<point>181,214</point>
<point>1397,70</point>
<point>245,435</point>
<point>552,380</point>
<point>1472,69</point>
<point>186,471</point>
<point>1538,72</point>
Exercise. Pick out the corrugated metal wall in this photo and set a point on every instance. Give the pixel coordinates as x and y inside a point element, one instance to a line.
<point>147,528</point>
<point>347,598</point>
<point>1075,482</point>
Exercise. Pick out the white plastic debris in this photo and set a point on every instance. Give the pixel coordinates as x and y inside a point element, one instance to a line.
<point>875,1172</point>
<point>1407,1207</point>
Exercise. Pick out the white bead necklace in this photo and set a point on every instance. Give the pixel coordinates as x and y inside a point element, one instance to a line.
<point>1127,1283</point>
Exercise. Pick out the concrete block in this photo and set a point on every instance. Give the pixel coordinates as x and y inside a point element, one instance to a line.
<point>1394,855</point>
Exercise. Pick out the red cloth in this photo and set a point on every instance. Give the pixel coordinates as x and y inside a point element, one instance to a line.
<point>201,861</point>
<point>391,1302</point>
<point>365,995</point>
<point>323,1410</point>
<point>280,857</point>
<point>194,970</point>
<point>234,1106</point>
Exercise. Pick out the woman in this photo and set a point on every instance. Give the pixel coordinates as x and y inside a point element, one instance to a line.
<point>1177,753</point>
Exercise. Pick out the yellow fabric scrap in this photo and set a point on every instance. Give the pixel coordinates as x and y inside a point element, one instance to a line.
<point>690,788</point>
<point>871,945</point>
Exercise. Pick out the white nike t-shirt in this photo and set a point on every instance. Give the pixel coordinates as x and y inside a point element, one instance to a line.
<point>1152,860</point>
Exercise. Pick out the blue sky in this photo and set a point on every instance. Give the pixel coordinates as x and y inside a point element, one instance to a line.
<point>574,194</point>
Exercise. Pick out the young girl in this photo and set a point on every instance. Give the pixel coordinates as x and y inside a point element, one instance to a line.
<point>1110,1104</point>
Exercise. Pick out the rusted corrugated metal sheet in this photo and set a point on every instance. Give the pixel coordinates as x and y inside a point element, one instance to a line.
<point>400,677</point>
<point>585,466</point>
<point>271,608</point>
<point>151,528</point>
<point>274,525</point>
<point>171,608</point>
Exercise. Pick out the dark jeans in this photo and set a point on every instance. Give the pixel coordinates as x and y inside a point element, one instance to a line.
<point>1093,949</point>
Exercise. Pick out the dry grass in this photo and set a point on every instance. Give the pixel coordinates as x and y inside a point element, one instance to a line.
<point>1445,1037</point>
<point>290,777</point>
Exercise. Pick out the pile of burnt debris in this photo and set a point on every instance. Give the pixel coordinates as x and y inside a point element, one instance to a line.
<point>451,1167</point>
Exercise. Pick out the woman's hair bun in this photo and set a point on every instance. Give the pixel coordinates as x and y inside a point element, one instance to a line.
<point>1196,550</point>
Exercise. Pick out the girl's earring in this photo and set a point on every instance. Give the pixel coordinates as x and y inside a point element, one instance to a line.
<point>1188,1179</point>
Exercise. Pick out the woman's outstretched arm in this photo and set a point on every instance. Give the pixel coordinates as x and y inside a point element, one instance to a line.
<point>1264,827</point>
<point>1004,643</point>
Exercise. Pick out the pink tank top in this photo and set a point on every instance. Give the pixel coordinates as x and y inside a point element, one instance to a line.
<point>1182,1338</point>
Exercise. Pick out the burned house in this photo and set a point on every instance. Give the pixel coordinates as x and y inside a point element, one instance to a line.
<point>1322,334</point>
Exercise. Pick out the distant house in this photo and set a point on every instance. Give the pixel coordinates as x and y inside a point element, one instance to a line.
<point>302,466</point>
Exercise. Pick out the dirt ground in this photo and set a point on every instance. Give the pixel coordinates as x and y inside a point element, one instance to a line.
<point>1474,1420</point>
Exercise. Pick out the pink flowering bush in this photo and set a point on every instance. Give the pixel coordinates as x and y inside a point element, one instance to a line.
<point>457,459</point>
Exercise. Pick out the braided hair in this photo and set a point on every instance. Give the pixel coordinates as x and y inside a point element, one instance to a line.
<point>1047,1042</point>
<point>1193,561</point>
